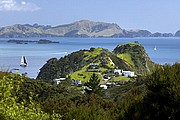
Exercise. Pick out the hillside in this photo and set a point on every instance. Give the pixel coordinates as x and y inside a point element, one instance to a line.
<point>82,28</point>
<point>154,97</point>
<point>79,61</point>
<point>131,56</point>
<point>136,56</point>
<point>177,34</point>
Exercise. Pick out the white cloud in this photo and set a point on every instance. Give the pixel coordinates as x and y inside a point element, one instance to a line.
<point>23,2</point>
<point>13,5</point>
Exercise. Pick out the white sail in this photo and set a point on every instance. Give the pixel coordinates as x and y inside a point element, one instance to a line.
<point>23,61</point>
<point>155,48</point>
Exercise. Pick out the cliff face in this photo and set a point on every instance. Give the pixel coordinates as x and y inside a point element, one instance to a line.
<point>83,28</point>
<point>131,56</point>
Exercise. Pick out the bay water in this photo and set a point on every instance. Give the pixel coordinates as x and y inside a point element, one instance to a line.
<point>167,50</point>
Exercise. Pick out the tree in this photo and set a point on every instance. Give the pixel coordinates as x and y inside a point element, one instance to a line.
<point>10,109</point>
<point>162,99</point>
<point>163,95</point>
<point>93,84</point>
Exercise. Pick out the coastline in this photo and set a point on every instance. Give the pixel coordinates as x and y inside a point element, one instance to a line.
<point>38,54</point>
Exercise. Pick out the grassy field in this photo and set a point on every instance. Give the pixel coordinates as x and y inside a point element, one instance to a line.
<point>82,74</point>
<point>127,58</point>
<point>117,79</point>
<point>93,54</point>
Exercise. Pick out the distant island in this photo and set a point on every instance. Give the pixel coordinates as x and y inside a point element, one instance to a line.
<point>41,41</point>
<point>83,28</point>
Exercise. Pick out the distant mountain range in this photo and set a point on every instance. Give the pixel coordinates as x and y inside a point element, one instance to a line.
<point>83,28</point>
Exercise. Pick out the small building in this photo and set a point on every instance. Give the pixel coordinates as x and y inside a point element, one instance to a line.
<point>76,82</point>
<point>94,66</point>
<point>118,71</point>
<point>128,73</point>
<point>117,85</point>
<point>58,80</point>
<point>106,77</point>
<point>108,85</point>
<point>124,73</point>
<point>103,86</point>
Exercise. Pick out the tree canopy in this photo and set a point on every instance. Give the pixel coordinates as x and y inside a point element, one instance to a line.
<point>93,84</point>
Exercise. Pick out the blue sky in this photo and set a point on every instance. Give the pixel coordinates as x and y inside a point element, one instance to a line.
<point>152,15</point>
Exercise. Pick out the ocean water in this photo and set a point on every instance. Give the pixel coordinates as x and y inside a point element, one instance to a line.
<point>168,50</point>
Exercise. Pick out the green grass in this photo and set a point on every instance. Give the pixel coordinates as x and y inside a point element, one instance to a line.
<point>102,69</point>
<point>133,43</point>
<point>110,66</point>
<point>127,58</point>
<point>93,54</point>
<point>130,43</point>
<point>117,79</point>
<point>82,74</point>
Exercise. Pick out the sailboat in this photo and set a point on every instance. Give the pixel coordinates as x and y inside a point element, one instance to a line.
<point>23,61</point>
<point>155,48</point>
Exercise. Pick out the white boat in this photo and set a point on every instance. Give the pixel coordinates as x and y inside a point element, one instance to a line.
<point>155,48</point>
<point>23,61</point>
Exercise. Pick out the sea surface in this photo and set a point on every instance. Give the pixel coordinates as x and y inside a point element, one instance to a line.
<point>167,50</point>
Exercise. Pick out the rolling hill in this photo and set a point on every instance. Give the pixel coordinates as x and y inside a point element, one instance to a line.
<point>131,56</point>
<point>82,28</point>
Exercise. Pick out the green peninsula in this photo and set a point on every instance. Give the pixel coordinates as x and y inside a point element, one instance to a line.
<point>129,57</point>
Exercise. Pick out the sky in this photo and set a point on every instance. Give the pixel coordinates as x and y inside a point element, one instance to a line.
<point>153,15</point>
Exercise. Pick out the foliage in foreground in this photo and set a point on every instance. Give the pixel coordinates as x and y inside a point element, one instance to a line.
<point>153,97</point>
<point>162,100</point>
<point>10,109</point>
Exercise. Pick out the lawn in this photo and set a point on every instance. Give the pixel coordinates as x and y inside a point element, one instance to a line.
<point>82,74</point>
<point>117,79</point>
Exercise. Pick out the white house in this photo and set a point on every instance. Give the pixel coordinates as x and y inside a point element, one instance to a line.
<point>125,73</point>
<point>106,77</point>
<point>119,71</point>
<point>94,66</point>
<point>58,80</point>
<point>76,82</point>
<point>103,86</point>
<point>128,73</point>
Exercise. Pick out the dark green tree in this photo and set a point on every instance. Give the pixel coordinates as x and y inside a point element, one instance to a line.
<point>162,99</point>
<point>93,84</point>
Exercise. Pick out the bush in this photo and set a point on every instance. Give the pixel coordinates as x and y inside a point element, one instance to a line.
<point>10,109</point>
